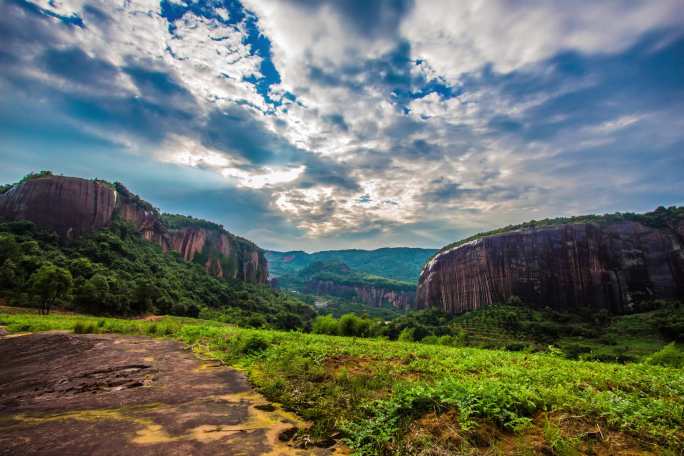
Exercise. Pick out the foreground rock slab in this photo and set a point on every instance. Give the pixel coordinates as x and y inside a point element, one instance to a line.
<point>63,394</point>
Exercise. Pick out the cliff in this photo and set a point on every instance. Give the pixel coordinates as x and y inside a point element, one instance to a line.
<point>370,295</point>
<point>73,206</point>
<point>608,264</point>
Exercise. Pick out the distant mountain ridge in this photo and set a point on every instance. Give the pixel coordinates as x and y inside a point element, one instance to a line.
<point>398,263</point>
<point>335,278</point>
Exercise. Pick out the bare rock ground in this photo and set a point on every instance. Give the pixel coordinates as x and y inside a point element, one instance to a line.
<point>68,394</point>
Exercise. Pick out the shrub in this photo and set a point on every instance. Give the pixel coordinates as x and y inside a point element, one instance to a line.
<point>516,346</point>
<point>406,335</point>
<point>252,344</point>
<point>434,340</point>
<point>325,324</point>
<point>670,356</point>
<point>84,328</point>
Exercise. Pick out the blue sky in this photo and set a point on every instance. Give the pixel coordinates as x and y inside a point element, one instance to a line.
<point>318,124</point>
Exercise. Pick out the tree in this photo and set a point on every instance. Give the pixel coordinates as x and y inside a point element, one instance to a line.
<point>50,283</point>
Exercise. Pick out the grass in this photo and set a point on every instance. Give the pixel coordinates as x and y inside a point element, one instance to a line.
<point>382,396</point>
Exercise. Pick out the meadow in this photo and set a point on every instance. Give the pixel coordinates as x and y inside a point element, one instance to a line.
<point>388,397</point>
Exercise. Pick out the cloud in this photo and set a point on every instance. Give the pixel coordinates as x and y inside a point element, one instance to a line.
<point>329,123</point>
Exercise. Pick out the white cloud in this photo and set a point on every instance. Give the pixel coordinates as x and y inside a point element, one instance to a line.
<point>344,112</point>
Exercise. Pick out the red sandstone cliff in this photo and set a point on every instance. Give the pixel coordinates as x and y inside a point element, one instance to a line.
<point>593,265</point>
<point>72,206</point>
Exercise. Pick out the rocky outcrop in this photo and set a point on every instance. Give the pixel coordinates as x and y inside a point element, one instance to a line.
<point>69,205</point>
<point>372,296</point>
<point>609,266</point>
<point>221,254</point>
<point>72,206</point>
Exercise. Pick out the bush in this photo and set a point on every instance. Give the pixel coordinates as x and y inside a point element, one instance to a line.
<point>325,324</point>
<point>84,328</point>
<point>433,340</point>
<point>252,344</point>
<point>516,346</point>
<point>407,335</point>
<point>670,356</point>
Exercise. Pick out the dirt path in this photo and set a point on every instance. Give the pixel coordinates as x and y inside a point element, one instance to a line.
<point>67,394</point>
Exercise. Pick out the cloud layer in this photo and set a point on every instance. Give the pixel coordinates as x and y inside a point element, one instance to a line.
<point>323,124</point>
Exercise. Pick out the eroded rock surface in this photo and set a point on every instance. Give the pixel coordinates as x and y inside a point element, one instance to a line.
<point>115,395</point>
<point>600,266</point>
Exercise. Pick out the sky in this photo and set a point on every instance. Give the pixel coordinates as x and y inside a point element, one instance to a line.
<point>325,124</point>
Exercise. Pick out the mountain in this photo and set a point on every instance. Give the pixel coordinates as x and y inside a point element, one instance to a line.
<point>72,206</point>
<point>97,248</point>
<point>398,263</point>
<point>613,262</point>
<point>335,278</point>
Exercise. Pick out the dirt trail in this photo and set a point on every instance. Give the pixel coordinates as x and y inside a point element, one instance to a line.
<point>64,394</point>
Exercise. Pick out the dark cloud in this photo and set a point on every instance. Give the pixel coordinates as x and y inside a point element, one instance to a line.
<point>594,88</point>
<point>444,190</point>
<point>74,65</point>
<point>236,131</point>
<point>338,121</point>
<point>371,18</point>
<point>320,171</point>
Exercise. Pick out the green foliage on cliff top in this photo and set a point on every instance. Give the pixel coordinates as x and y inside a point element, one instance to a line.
<point>660,218</point>
<point>408,398</point>
<point>399,263</point>
<point>178,221</point>
<point>116,272</point>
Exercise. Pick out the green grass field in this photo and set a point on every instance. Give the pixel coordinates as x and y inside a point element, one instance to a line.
<point>408,398</point>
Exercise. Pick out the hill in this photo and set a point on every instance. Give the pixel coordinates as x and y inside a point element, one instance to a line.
<point>337,279</point>
<point>615,262</point>
<point>73,207</point>
<point>94,247</point>
<point>398,263</point>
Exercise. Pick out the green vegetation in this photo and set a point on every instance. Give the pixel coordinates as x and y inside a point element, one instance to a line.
<point>340,274</point>
<point>338,286</point>
<point>337,306</point>
<point>660,218</point>
<point>50,283</point>
<point>178,221</point>
<point>402,397</point>
<point>401,263</point>
<point>115,272</point>
<point>515,327</point>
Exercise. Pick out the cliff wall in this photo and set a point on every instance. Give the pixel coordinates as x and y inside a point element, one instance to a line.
<point>602,266</point>
<point>73,206</point>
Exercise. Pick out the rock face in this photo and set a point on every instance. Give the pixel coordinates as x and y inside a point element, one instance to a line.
<point>372,296</point>
<point>600,266</point>
<point>221,253</point>
<point>72,206</point>
<point>69,205</point>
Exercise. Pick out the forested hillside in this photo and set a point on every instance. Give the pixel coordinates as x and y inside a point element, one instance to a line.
<point>398,263</point>
<point>115,271</point>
